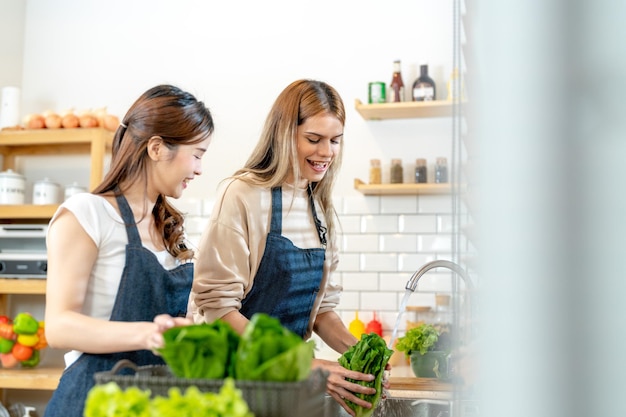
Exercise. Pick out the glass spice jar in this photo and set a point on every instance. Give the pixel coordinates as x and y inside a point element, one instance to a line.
<point>441,170</point>
<point>375,171</point>
<point>420,171</point>
<point>396,171</point>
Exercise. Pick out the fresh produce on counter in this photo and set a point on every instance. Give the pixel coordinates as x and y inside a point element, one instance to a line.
<point>266,351</point>
<point>110,400</point>
<point>370,356</point>
<point>21,341</point>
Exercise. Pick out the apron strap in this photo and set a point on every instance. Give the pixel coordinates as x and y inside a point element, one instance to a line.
<point>128,218</point>
<point>321,230</point>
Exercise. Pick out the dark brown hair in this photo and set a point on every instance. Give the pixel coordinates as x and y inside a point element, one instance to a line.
<point>179,119</point>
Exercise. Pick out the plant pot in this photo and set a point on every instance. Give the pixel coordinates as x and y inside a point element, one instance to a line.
<point>433,364</point>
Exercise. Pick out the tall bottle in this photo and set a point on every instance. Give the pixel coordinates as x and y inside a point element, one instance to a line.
<point>396,87</point>
<point>424,86</point>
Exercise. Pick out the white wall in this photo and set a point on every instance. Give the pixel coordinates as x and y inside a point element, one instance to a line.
<point>237,56</point>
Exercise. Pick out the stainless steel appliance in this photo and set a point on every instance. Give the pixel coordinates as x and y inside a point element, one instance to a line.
<point>23,251</point>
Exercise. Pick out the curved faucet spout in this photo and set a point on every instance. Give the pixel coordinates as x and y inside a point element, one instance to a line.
<point>412,282</point>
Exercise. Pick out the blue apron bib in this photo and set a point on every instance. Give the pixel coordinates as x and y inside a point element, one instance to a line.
<point>288,279</point>
<point>146,290</point>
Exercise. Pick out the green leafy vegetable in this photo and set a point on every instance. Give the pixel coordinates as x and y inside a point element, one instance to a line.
<point>370,355</point>
<point>424,338</point>
<point>270,352</point>
<point>201,350</point>
<point>110,400</point>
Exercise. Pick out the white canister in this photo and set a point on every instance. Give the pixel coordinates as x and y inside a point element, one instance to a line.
<point>12,187</point>
<point>10,108</point>
<point>46,192</point>
<point>73,188</point>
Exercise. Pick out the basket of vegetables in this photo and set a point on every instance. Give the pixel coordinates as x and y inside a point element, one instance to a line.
<point>21,341</point>
<point>269,364</point>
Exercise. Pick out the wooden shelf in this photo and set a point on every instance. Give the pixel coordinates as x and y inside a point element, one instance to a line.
<point>92,141</point>
<point>22,286</point>
<point>401,189</point>
<point>44,378</point>
<point>27,211</point>
<point>405,109</point>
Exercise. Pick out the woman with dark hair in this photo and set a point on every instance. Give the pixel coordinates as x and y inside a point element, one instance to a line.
<point>270,243</point>
<point>119,269</point>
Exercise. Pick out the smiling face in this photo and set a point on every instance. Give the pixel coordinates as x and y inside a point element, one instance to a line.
<point>176,167</point>
<point>318,142</point>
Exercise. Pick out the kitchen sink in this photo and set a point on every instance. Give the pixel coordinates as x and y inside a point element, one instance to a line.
<point>395,407</point>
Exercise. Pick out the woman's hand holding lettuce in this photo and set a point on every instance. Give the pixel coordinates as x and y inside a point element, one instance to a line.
<point>370,355</point>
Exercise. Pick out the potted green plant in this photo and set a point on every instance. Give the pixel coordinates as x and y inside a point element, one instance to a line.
<point>428,346</point>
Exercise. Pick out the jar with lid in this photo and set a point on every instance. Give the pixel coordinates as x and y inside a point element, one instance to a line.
<point>397,173</point>
<point>420,171</point>
<point>375,171</point>
<point>441,170</point>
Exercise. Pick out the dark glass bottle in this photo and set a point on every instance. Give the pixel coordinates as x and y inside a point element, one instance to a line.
<point>420,171</point>
<point>396,87</point>
<point>424,86</point>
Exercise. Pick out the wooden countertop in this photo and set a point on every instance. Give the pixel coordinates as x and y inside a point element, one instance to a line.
<point>402,378</point>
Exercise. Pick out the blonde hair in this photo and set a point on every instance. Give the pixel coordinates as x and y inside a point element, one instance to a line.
<point>275,157</point>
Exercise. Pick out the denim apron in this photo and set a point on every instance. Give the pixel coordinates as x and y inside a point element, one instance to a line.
<point>288,279</point>
<point>146,290</point>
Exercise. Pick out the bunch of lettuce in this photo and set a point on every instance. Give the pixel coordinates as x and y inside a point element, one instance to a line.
<point>370,356</point>
<point>201,350</point>
<point>270,352</point>
<point>110,400</point>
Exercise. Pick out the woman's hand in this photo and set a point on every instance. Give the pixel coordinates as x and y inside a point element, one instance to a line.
<point>164,322</point>
<point>340,388</point>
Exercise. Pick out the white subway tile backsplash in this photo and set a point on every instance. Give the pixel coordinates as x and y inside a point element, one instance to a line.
<point>393,281</point>
<point>349,224</point>
<point>349,301</point>
<point>413,223</point>
<point>349,262</point>
<point>360,281</point>
<point>428,243</point>
<point>360,205</point>
<point>379,262</point>
<point>398,243</point>
<point>379,301</point>
<point>435,204</point>
<point>398,204</point>
<point>444,223</point>
<point>411,262</point>
<point>360,243</point>
<point>380,224</point>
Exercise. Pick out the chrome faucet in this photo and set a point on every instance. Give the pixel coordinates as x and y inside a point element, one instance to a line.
<point>411,285</point>
<point>412,282</point>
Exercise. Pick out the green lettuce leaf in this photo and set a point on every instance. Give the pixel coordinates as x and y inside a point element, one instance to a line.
<point>370,356</point>
<point>109,400</point>
<point>201,350</point>
<point>270,352</point>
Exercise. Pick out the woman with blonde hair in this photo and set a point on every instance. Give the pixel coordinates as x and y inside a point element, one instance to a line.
<point>270,244</point>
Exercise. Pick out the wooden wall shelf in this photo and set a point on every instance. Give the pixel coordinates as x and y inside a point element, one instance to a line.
<point>405,109</point>
<point>401,189</point>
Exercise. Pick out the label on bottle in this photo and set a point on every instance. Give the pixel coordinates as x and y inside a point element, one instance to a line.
<point>423,92</point>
